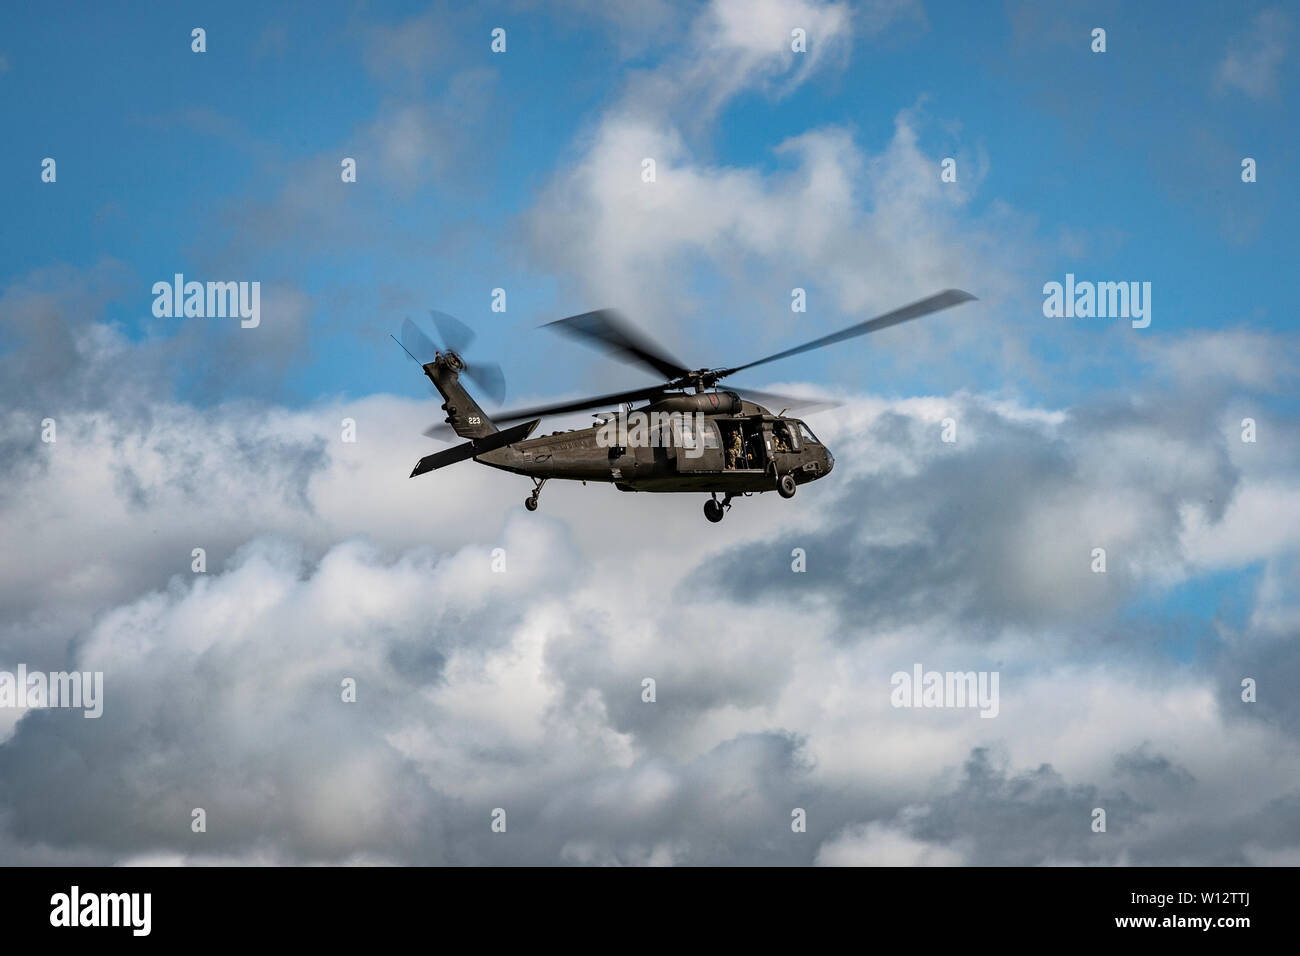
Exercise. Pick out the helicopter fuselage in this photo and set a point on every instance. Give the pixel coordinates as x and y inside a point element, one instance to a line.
<point>714,443</point>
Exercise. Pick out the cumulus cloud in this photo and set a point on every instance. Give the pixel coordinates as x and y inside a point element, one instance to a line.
<point>860,230</point>
<point>523,690</point>
<point>831,217</point>
<point>953,532</point>
<point>879,844</point>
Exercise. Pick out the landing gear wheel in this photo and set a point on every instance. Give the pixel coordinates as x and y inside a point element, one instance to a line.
<point>786,487</point>
<point>713,510</point>
<point>531,501</point>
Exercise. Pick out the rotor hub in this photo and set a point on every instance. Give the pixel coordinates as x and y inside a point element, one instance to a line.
<point>701,379</point>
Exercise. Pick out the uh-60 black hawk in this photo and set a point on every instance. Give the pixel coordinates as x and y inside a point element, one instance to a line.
<point>699,438</point>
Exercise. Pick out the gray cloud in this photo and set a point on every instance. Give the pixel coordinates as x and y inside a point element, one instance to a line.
<point>999,531</point>
<point>523,690</point>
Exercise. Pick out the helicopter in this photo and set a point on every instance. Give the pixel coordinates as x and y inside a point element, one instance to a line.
<point>691,436</point>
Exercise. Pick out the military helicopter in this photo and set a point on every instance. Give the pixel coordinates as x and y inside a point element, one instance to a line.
<point>690,437</point>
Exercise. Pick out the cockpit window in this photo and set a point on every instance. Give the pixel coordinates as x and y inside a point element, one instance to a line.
<point>807,435</point>
<point>785,440</point>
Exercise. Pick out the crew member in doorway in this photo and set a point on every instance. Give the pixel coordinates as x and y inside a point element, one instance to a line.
<point>737,451</point>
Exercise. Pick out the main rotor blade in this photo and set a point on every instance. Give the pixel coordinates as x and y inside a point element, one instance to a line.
<point>455,334</point>
<point>936,302</point>
<point>611,332</point>
<point>791,403</point>
<point>559,408</point>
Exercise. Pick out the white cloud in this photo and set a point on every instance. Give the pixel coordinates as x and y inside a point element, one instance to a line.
<point>879,844</point>
<point>522,690</point>
<point>860,230</point>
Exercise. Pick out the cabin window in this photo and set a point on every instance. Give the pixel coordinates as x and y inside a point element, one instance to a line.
<point>807,435</point>
<point>690,436</point>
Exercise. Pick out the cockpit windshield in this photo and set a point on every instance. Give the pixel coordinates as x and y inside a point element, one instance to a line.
<point>807,435</point>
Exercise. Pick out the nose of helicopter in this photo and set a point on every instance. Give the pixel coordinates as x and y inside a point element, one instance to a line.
<point>830,460</point>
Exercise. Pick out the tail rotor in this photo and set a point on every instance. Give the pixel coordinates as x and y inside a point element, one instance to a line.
<point>457,338</point>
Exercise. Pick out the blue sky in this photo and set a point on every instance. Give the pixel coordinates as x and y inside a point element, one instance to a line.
<point>1134,153</point>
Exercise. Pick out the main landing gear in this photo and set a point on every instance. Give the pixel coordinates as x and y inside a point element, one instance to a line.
<point>531,501</point>
<point>714,509</point>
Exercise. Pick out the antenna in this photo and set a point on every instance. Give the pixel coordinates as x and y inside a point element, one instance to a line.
<point>406,350</point>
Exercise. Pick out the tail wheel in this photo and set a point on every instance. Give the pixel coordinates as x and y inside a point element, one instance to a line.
<point>531,502</point>
<point>713,511</point>
<point>786,487</point>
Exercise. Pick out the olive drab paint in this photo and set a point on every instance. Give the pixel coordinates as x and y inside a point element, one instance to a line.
<point>691,437</point>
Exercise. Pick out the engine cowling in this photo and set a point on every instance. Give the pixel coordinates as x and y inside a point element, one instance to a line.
<point>716,403</point>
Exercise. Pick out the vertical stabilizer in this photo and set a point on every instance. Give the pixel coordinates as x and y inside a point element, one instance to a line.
<point>463,413</point>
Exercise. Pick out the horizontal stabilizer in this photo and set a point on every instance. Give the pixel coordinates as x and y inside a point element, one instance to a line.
<point>469,449</point>
<point>444,458</point>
